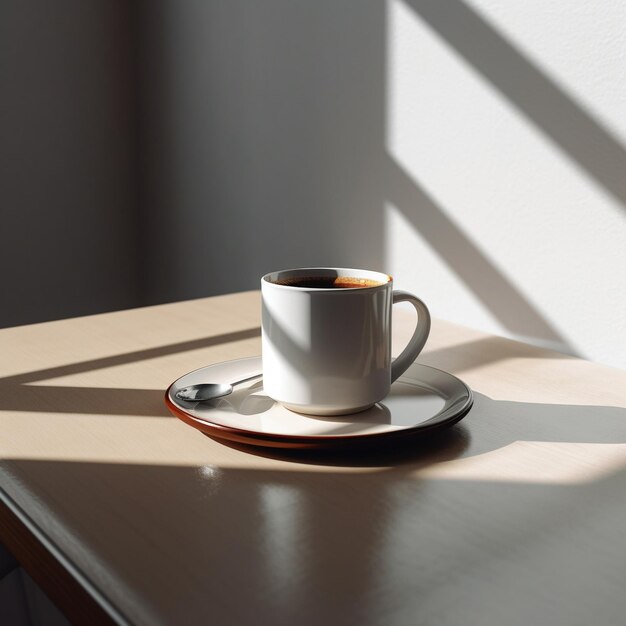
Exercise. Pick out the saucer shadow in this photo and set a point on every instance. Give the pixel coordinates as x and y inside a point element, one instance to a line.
<point>419,450</point>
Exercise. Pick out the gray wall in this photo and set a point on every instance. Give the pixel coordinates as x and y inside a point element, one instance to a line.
<point>262,128</point>
<point>166,150</point>
<point>67,159</point>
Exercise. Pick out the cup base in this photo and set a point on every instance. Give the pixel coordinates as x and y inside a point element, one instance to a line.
<point>325,411</point>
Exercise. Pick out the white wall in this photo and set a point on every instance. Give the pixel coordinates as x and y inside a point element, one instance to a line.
<point>506,139</point>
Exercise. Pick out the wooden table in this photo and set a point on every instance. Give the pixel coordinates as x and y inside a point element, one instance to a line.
<point>124,514</point>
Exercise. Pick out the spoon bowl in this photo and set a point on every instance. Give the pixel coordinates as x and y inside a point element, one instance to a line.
<point>203,392</point>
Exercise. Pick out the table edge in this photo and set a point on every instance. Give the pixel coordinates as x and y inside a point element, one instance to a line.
<point>75,596</point>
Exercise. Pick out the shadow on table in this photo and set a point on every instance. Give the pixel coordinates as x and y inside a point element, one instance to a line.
<point>23,392</point>
<point>490,425</point>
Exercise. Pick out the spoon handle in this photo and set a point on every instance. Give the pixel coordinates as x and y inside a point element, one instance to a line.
<point>245,380</point>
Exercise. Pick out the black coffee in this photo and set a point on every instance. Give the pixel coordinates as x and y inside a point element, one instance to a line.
<point>328,282</point>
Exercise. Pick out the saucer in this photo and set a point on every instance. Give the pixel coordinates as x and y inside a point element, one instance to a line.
<point>423,399</point>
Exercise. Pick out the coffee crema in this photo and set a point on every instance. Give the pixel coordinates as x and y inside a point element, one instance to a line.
<point>328,282</point>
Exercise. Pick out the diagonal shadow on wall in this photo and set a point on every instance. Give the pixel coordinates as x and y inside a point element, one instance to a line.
<point>530,91</point>
<point>487,283</point>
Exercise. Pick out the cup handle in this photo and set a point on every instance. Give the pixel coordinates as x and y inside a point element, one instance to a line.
<point>422,330</point>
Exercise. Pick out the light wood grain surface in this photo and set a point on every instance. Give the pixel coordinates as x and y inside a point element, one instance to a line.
<point>517,515</point>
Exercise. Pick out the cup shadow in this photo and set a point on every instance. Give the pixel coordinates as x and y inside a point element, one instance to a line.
<point>496,424</point>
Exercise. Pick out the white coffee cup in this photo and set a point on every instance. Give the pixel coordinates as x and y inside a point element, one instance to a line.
<point>327,347</point>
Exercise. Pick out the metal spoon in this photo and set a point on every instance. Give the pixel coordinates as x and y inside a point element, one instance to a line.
<point>209,391</point>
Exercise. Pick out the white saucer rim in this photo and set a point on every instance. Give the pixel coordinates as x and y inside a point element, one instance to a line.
<point>439,420</point>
